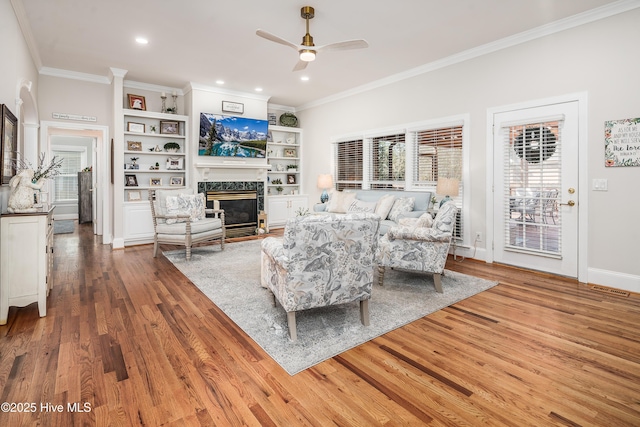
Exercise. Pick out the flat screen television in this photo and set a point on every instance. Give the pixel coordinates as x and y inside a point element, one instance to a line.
<point>231,136</point>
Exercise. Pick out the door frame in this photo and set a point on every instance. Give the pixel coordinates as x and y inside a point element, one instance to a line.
<point>102,221</point>
<point>583,203</point>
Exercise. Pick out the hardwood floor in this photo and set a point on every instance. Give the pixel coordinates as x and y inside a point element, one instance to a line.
<point>128,340</point>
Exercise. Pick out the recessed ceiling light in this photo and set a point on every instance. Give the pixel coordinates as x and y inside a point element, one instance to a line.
<point>141,40</point>
<point>304,78</point>
<point>258,89</point>
<point>220,82</point>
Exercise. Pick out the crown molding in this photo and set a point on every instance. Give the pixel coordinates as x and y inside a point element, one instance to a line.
<point>23,23</point>
<point>587,17</point>
<point>74,75</point>
<point>151,87</point>
<point>279,107</point>
<point>205,88</point>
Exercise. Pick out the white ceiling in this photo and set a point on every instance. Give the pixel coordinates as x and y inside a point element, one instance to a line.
<point>201,41</point>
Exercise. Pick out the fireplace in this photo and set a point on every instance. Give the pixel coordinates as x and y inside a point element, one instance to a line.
<point>240,210</point>
<point>241,201</point>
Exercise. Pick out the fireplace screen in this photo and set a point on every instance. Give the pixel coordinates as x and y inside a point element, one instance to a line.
<point>240,210</point>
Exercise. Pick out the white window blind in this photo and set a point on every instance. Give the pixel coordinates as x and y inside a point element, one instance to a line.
<point>348,164</point>
<point>65,188</point>
<point>532,156</point>
<point>387,162</point>
<point>438,152</point>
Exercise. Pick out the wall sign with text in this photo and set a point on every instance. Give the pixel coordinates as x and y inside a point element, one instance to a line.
<point>622,142</point>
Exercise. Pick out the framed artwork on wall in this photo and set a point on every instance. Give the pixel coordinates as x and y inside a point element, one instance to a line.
<point>8,144</point>
<point>136,102</point>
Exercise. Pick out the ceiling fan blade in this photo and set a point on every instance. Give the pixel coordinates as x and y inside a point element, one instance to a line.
<point>301,65</point>
<point>345,45</point>
<point>267,35</point>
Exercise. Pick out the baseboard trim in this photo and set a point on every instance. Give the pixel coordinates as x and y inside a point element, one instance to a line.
<point>614,279</point>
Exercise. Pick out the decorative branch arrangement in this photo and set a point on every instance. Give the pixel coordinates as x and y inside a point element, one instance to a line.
<point>43,171</point>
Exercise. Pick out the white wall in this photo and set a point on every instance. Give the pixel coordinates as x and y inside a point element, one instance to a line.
<point>16,66</point>
<point>599,58</point>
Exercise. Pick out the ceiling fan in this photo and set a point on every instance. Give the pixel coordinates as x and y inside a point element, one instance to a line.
<point>307,50</point>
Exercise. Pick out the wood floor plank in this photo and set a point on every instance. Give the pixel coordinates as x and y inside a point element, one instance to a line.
<point>132,337</point>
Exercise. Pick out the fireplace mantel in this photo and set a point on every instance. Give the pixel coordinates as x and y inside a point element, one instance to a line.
<point>206,167</point>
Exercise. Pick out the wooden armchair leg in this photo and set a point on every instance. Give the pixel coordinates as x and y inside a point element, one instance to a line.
<point>291,321</point>
<point>437,280</point>
<point>380,274</point>
<point>155,248</point>
<point>364,312</point>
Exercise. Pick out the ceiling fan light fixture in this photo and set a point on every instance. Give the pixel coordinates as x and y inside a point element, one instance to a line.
<point>307,55</point>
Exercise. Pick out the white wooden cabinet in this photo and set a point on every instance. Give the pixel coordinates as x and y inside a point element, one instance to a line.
<point>26,252</point>
<point>280,208</point>
<point>138,224</point>
<point>154,167</point>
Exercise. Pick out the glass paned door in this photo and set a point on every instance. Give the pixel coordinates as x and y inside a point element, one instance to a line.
<point>536,188</point>
<point>533,159</point>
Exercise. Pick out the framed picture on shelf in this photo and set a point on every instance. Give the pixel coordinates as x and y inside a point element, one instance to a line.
<point>176,181</point>
<point>136,102</point>
<point>291,179</point>
<point>135,127</point>
<point>290,152</point>
<point>130,180</point>
<point>133,196</point>
<point>175,163</point>
<point>169,127</point>
<point>155,182</point>
<point>8,144</point>
<point>134,146</point>
<point>272,119</point>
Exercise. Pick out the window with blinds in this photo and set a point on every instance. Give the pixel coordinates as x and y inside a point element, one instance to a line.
<point>65,185</point>
<point>532,156</point>
<point>387,157</point>
<point>348,164</point>
<point>438,154</point>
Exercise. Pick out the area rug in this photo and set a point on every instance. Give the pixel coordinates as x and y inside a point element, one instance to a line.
<point>63,226</point>
<point>231,279</point>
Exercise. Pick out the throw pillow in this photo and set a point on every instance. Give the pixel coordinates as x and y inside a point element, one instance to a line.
<point>362,206</point>
<point>425,220</point>
<point>401,205</point>
<point>340,201</point>
<point>186,204</point>
<point>384,205</point>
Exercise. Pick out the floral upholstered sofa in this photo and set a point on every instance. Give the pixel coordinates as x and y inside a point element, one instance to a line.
<point>321,260</point>
<point>391,206</point>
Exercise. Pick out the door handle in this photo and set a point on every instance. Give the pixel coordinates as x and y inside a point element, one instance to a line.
<point>569,203</point>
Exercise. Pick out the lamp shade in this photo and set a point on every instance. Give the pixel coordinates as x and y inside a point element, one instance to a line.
<point>325,181</point>
<point>447,186</point>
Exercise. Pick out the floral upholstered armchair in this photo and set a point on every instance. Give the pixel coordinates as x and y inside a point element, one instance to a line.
<point>321,260</point>
<point>419,247</point>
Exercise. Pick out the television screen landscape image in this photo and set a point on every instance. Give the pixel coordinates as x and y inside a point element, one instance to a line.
<point>231,136</point>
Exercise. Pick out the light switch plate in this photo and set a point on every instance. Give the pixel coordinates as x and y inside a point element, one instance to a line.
<point>600,185</point>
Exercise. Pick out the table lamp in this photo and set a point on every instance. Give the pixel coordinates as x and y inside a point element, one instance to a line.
<point>325,181</point>
<point>448,187</point>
